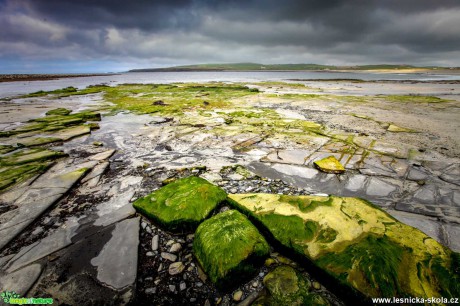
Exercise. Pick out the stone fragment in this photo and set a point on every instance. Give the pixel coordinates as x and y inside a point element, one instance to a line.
<point>176,247</point>
<point>181,205</point>
<point>356,243</point>
<point>329,165</point>
<point>151,290</point>
<point>169,256</point>
<point>176,268</point>
<point>397,129</point>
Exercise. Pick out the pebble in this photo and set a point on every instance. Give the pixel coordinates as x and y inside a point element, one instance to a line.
<point>255,284</point>
<point>157,281</point>
<point>149,254</point>
<point>148,229</point>
<point>148,279</point>
<point>160,267</point>
<point>172,288</point>
<point>237,295</point>
<point>155,242</point>
<point>176,247</point>
<point>192,300</point>
<point>182,286</point>
<point>202,275</point>
<point>316,285</point>
<point>199,284</point>
<point>190,237</point>
<point>170,242</point>
<point>176,268</point>
<point>261,274</point>
<point>168,256</point>
<point>151,290</point>
<point>269,262</point>
<point>234,190</point>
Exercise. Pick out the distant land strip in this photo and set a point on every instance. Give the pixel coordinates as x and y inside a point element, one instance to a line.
<point>45,77</point>
<point>298,67</point>
<point>379,81</point>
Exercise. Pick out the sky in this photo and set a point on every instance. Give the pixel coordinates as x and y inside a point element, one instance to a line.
<point>59,36</point>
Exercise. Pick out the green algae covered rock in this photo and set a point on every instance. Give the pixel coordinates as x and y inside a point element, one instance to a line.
<point>356,243</point>
<point>59,111</point>
<point>181,205</point>
<point>29,155</point>
<point>329,164</point>
<point>229,248</point>
<point>288,287</point>
<point>25,163</point>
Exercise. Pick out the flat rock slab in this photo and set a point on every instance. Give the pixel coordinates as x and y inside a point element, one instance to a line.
<point>296,157</point>
<point>358,244</point>
<point>20,281</point>
<point>229,248</point>
<point>30,155</point>
<point>36,200</point>
<point>117,262</point>
<point>72,132</point>
<point>36,141</point>
<point>103,155</point>
<point>93,178</point>
<point>181,205</point>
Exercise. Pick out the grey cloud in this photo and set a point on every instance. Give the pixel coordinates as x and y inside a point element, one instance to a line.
<point>190,31</point>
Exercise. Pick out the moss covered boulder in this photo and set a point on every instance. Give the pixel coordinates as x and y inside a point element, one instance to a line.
<point>229,248</point>
<point>358,244</point>
<point>288,287</point>
<point>181,205</point>
<point>329,164</point>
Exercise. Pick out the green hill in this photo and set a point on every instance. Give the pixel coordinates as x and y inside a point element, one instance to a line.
<point>274,67</point>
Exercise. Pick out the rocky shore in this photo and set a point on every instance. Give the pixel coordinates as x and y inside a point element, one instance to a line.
<point>43,77</point>
<point>87,217</point>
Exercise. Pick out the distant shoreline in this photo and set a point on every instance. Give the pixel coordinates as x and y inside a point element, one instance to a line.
<point>46,77</point>
<point>375,71</point>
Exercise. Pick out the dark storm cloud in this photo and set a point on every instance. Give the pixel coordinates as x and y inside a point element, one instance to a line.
<point>164,32</point>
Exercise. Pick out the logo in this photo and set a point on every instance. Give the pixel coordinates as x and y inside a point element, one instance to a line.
<point>12,298</point>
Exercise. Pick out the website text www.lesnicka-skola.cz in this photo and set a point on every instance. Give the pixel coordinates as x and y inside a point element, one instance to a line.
<point>416,300</point>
